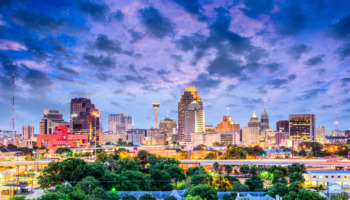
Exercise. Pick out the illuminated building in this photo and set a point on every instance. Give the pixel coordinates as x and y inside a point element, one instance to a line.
<point>209,138</point>
<point>226,125</point>
<point>119,123</point>
<point>62,138</point>
<point>268,136</point>
<point>281,137</point>
<point>254,121</point>
<point>250,135</point>
<point>337,133</point>
<point>190,94</point>
<point>282,126</point>
<point>264,121</point>
<point>320,134</point>
<point>194,120</point>
<point>27,132</point>
<point>210,129</point>
<point>168,126</point>
<point>302,127</point>
<point>85,118</point>
<point>155,106</point>
<point>51,119</point>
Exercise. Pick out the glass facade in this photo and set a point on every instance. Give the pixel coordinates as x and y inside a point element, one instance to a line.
<point>302,127</point>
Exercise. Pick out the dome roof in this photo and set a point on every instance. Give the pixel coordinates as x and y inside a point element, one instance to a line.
<point>254,115</point>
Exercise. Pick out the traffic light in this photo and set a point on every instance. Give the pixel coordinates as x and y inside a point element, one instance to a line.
<point>263,154</point>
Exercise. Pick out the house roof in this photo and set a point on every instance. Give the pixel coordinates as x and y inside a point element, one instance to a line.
<point>330,172</point>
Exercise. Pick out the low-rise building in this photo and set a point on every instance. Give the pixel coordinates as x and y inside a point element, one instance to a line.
<point>316,178</point>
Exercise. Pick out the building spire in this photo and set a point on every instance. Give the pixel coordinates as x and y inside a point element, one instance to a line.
<point>228,111</point>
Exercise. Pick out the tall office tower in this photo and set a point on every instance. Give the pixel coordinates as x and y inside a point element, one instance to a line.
<point>226,125</point>
<point>194,120</point>
<point>119,123</point>
<point>190,94</point>
<point>264,121</point>
<point>167,126</point>
<point>51,119</point>
<point>250,135</point>
<point>156,106</point>
<point>282,126</point>
<point>320,134</point>
<point>302,127</point>
<point>85,118</point>
<point>254,121</point>
<point>27,132</point>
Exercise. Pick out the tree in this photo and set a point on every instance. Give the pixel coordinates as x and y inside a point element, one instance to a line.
<point>244,169</point>
<point>128,164</point>
<point>278,189</point>
<point>235,153</point>
<point>239,187</point>
<point>142,155</point>
<point>254,183</point>
<point>176,172</point>
<point>302,153</point>
<point>253,170</point>
<point>190,197</point>
<point>63,150</point>
<point>212,155</point>
<point>216,166</point>
<point>204,191</point>
<point>147,197</point>
<point>99,193</point>
<point>231,196</point>
<point>254,151</point>
<point>284,170</point>
<point>129,197</point>
<point>102,157</point>
<point>296,167</point>
<point>221,183</point>
<point>160,180</point>
<point>133,181</point>
<point>88,184</point>
<point>296,177</point>
<point>266,175</point>
<point>195,170</point>
<point>228,169</point>
<point>170,198</point>
<point>278,177</point>
<point>316,149</point>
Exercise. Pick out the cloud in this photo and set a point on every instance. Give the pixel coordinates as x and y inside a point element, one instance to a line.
<point>155,23</point>
<point>346,101</point>
<point>341,29</point>
<point>132,68</point>
<point>204,82</point>
<point>97,11</point>
<point>100,62</point>
<point>225,65</point>
<point>272,67</point>
<point>278,83</point>
<point>103,76</point>
<point>308,94</point>
<point>297,50</point>
<point>131,78</point>
<point>103,43</point>
<point>36,21</point>
<point>316,60</point>
<point>68,71</point>
<point>345,81</point>
<point>38,52</point>
<point>231,87</point>
<point>251,102</point>
<point>325,107</point>
<point>147,69</point>
<point>118,15</point>
<point>193,7</point>
<point>11,45</point>
<point>118,91</point>
<point>136,36</point>
<point>320,71</point>
<point>162,72</point>
<point>254,8</point>
<point>343,51</point>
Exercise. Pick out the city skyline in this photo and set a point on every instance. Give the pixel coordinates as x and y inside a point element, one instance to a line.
<point>126,55</point>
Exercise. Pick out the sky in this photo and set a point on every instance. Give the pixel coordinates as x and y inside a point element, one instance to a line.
<point>124,55</point>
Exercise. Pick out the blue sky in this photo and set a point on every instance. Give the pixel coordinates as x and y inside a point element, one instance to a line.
<point>124,55</point>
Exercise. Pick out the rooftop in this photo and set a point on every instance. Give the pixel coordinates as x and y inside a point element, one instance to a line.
<point>330,172</point>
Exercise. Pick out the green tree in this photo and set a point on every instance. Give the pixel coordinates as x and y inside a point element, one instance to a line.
<point>99,193</point>
<point>190,197</point>
<point>129,197</point>
<point>296,177</point>
<point>239,187</point>
<point>296,167</point>
<point>160,180</point>
<point>234,152</point>
<point>147,197</point>
<point>284,170</point>
<point>132,181</point>
<point>128,164</point>
<point>253,170</point>
<point>231,196</point>
<point>244,169</point>
<point>302,153</point>
<point>228,169</point>
<point>195,170</point>
<point>102,157</point>
<point>278,189</point>
<point>204,191</point>
<point>213,155</point>
<point>170,198</point>
<point>278,177</point>
<point>216,166</point>
<point>176,172</point>
<point>63,150</point>
<point>266,175</point>
<point>88,183</point>
<point>254,151</point>
<point>254,183</point>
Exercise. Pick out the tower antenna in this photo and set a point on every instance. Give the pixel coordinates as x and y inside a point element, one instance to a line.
<point>228,111</point>
<point>336,115</point>
<point>12,120</point>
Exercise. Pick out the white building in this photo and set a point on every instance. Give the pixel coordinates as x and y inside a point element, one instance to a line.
<point>316,178</point>
<point>250,135</point>
<point>320,134</point>
<point>194,120</point>
<point>119,123</point>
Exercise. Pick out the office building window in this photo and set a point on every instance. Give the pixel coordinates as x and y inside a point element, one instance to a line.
<point>332,176</point>
<point>314,177</point>
<point>326,176</point>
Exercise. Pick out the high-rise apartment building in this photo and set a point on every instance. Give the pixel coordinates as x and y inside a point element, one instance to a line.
<point>302,127</point>
<point>254,121</point>
<point>264,121</point>
<point>320,134</point>
<point>50,121</point>
<point>189,95</point>
<point>85,118</point>
<point>282,126</point>
<point>250,135</point>
<point>226,125</point>
<point>194,120</point>
<point>119,123</point>
<point>27,132</point>
<point>168,126</point>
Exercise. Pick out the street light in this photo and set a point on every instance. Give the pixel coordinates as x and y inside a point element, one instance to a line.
<point>96,114</point>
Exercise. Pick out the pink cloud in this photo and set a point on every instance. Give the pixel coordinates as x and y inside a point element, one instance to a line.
<point>11,45</point>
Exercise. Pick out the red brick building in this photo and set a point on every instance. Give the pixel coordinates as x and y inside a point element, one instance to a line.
<point>62,138</point>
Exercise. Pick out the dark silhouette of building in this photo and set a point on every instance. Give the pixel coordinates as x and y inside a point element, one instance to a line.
<point>264,121</point>
<point>189,95</point>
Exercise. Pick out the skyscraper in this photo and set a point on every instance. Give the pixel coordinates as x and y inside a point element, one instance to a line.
<point>320,134</point>
<point>226,125</point>
<point>167,126</point>
<point>156,106</point>
<point>264,121</point>
<point>119,123</point>
<point>85,117</point>
<point>250,135</point>
<point>254,121</point>
<point>282,126</point>
<point>302,127</point>
<point>194,120</point>
<point>51,119</point>
<point>189,95</point>
<point>27,132</point>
